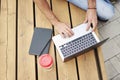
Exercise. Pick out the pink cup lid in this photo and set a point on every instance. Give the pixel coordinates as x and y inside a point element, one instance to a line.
<point>45,60</point>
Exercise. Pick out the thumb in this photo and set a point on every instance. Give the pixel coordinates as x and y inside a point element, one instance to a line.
<point>88,26</point>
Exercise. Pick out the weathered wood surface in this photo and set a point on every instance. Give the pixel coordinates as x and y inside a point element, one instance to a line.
<point>18,18</point>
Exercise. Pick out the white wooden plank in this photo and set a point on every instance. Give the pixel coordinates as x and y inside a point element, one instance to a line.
<point>3,40</point>
<point>11,50</point>
<point>26,62</point>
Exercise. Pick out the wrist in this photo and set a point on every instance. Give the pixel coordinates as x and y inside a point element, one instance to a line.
<point>54,21</point>
<point>91,7</point>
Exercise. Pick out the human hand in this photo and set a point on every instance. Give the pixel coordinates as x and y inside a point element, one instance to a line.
<point>64,29</point>
<point>91,18</point>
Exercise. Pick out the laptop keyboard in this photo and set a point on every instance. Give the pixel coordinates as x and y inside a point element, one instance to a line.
<point>78,45</point>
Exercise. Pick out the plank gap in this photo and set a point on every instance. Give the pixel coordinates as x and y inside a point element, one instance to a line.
<point>16,59</point>
<point>0,6</point>
<point>77,68</point>
<point>70,15</point>
<point>36,68</point>
<point>55,57</point>
<point>34,18</point>
<point>98,64</point>
<point>51,4</point>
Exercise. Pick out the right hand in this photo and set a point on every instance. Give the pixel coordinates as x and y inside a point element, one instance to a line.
<point>64,29</point>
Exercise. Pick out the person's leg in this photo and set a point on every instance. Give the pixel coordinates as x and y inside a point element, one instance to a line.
<point>105,10</point>
<point>83,4</point>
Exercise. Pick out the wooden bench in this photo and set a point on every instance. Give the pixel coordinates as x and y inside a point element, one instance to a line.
<point>17,21</point>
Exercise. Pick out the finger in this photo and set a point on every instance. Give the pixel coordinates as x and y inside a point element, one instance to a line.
<point>93,29</point>
<point>85,21</point>
<point>88,26</point>
<point>62,34</point>
<point>70,31</point>
<point>94,26</point>
<point>68,25</point>
<point>65,34</point>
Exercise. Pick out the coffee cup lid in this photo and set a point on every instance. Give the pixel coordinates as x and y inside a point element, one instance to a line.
<point>45,60</point>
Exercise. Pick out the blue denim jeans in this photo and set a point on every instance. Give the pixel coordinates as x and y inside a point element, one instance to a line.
<point>105,9</point>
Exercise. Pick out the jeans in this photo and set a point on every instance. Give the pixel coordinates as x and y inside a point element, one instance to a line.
<point>105,9</point>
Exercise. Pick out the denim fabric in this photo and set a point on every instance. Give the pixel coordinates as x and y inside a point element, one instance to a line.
<point>105,9</point>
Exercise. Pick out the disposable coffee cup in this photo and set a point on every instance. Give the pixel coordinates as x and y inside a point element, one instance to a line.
<point>46,61</point>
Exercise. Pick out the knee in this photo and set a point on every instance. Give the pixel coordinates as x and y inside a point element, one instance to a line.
<point>106,13</point>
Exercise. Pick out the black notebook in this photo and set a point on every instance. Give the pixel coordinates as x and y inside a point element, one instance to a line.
<point>41,41</point>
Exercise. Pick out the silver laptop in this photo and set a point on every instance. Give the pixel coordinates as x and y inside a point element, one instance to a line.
<point>81,42</point>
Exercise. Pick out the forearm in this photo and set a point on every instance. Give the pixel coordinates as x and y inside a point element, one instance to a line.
<point>91,17</point>
<point>91,3</point>
<point>45,9</point>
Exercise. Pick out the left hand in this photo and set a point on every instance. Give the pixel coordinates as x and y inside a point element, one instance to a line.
<point>91,18</point>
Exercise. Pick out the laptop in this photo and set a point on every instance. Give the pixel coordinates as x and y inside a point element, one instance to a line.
<point>81,42</point>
